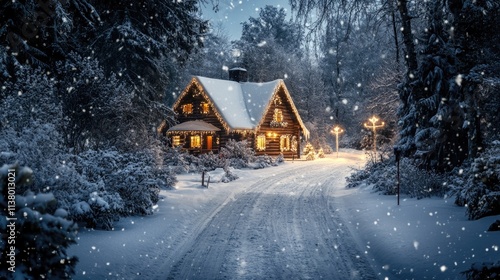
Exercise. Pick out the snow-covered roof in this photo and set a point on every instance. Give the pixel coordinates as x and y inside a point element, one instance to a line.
<point>196,125</point>
<point>242,105</point>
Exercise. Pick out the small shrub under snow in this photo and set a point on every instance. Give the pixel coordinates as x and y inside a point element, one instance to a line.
<point>321,153</point>
<point>210,161</point>
<point>42,233</point>
<point>478,186</point>
<point>237,153</point>
<point>309,152</point>
<point>414,181</point>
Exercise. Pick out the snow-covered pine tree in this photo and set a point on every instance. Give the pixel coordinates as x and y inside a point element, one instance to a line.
<point>269,45</point>
<point>321,153</point>
<point>146,41</point>
<point>104,111</point>
<point>440,116</point>
<point>39,33</point>
<point>309,151</point>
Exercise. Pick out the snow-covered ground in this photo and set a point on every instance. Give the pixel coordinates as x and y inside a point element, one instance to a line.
<point>297,221</point>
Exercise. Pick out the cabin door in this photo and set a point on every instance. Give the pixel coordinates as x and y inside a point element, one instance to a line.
<point>209,142</point>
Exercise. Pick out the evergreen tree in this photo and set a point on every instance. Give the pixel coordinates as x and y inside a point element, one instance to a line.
<point>440,116</point>
<point>146,42</point>
<point>269,46</point>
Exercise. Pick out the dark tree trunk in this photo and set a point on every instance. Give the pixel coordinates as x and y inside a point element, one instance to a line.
<point>395,32</point>
<point>411,55</point>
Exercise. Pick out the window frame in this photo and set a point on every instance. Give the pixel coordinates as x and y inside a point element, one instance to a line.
<point>278,115</point>
<point>205,108</point>
<point>176,140</point>
<point>260,142</point>
<point>187,109</point>
<point>195,141</point>
<point>285,143</point>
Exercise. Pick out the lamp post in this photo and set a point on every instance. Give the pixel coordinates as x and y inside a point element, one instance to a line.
<point>374,126</point>
<point>337,130</point>
<point>397,154</point>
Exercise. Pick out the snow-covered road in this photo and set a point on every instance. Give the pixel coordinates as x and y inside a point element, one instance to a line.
<point>293,221</point>
<point>282,227</point>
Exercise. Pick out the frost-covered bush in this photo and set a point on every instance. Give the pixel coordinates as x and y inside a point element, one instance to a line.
<point>177,160</point>
<point>321,153</point>
<point>100,210</point>
<point>480,188</point>
<point>133,176</point>
<point>358,177</point>
<point>279,159</point>
<point>309,151</point>
<point>262,161</point>
<point>210,161</point>
<point>42,232</point>
<point>414,181</point>
<point>99,187</point>
<point>237,153</point>
<point>420,183</point>
<point>37,145</point>
<point>308,148</point>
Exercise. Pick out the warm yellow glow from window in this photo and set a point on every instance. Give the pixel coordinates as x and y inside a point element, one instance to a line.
<point>278,115</point>
<point>205,109</point>
<point>176,140</point>
<point>295,144</point>
<point>261,142</point>
<point>285,143</point>
<point>187,108</point>
<point>195,141</point>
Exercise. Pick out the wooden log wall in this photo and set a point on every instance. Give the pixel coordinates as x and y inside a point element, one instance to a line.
<point>222,137</point>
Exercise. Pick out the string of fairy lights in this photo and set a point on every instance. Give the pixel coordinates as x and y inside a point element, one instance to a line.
<point>199,89</point>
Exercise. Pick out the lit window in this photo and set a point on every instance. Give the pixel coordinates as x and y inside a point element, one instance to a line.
<point>295,144</point>
<point>205,109</point>
<point>261,142</point>
<point>285,143</point>
<point>278,115</point>
<point>187,108</point>
<point>196,141</point>
<point>176,141</point>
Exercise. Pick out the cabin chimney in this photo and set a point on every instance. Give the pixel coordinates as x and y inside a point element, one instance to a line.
<point>238,74</point>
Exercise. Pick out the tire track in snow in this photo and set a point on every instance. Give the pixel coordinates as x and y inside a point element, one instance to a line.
<point>204,256</point>
<point>285,226</point>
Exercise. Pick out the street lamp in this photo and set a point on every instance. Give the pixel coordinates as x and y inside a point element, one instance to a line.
<point>337,130</point>
<point>374,126</point>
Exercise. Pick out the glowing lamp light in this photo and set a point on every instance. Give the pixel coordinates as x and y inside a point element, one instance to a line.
<point>272,134</point>
<point>374,126</point>
<point>337,130</point>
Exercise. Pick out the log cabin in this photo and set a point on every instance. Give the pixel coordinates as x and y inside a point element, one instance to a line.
<point>212,111</point>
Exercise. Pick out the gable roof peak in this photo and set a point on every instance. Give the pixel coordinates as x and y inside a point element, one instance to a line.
<point>240,105</point>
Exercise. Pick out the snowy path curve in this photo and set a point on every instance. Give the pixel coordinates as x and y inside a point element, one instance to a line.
<point>285,226</point>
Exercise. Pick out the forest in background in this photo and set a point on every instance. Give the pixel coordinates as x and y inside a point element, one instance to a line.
<point>85,84</point>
